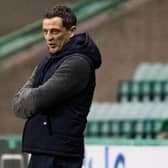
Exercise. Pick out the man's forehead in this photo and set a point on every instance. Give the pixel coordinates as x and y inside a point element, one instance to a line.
<point>55,21</point>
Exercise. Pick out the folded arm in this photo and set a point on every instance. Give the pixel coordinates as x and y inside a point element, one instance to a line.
<point>69,79</point>
<point>18,106</point>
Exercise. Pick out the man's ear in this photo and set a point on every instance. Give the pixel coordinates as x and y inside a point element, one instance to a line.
<point>72,31</point>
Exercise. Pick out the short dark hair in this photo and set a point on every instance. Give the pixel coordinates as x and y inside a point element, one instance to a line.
<point>68,16</point>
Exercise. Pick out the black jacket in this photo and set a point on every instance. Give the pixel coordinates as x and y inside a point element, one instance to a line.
<point>57,99</point>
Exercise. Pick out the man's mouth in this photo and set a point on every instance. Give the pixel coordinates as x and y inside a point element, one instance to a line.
<point>52,45</point>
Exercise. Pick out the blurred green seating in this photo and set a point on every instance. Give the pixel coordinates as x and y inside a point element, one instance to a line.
<point>149,83</point>
<point>11,145</point>
<point>4,148</point>
<point>163,73</point>
<point>128,120</point>
<point>131,90</point>
<point>141,72</point>
<point>148,71</point>
<point>151,71</point>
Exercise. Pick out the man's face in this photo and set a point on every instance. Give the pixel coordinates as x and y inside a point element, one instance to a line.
<point>55,34</point>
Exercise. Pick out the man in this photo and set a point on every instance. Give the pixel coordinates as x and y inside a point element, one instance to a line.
<point>57,97</point>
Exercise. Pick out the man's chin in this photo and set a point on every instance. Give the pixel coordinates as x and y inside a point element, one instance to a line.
<point>53,51</point>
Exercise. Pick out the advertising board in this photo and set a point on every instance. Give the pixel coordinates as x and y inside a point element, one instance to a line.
<point>101,156</point>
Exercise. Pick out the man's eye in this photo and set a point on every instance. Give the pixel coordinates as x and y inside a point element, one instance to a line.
<point>55,31</point>
<point>45,31</point>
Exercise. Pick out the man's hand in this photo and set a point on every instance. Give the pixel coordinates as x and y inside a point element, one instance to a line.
<point>23,104</point>
<point>23,101</point>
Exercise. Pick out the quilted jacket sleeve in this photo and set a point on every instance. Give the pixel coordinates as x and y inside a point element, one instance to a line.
<point>69,79</point>
<point>17,101</point>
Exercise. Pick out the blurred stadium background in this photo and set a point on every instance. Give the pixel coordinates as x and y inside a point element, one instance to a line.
<point>130,103</point>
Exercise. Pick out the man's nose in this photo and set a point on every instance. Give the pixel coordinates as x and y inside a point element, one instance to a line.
<point>49,36</point>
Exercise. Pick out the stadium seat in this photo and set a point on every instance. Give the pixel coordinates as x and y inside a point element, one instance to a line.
<point>12,160</point>
<point>163,73</point>
<point>10,152</point>
<point>148,71</point>
<point>129,120</point>
<point>141,72</point>
<point>124,91</point>
<point>4,146</point>
<point>142,91</point>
